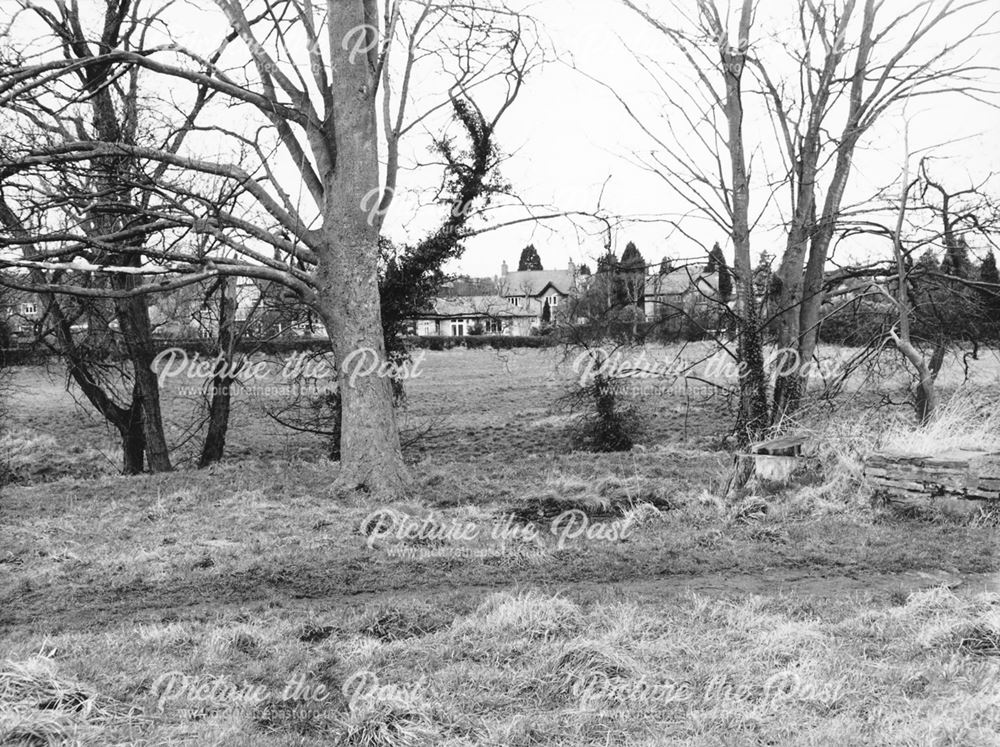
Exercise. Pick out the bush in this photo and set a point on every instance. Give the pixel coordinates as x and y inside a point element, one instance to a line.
<point>608,421</point>
<point>23,355</point>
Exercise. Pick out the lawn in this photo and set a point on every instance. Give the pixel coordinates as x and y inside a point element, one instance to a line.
<point>525,594</point>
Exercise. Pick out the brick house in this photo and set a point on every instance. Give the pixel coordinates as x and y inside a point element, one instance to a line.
<point>20,311</point>
<point>458,317</point>
<point>531,290</point>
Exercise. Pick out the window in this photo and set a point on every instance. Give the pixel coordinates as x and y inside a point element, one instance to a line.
<point>493,327</point>
<point>29,309</point>
<point>458,328</point>
<point>553,300</point>
<point>514,300</point>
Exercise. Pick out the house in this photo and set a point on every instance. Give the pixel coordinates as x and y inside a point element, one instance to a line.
<point>20,311</point>
<point>532,290</point>
<point>458,317</point>
<point>519,303</point>
<point>684,295</point>
<point>262,311</point>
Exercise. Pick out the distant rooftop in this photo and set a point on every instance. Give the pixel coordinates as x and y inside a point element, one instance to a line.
<point>533,282</point>
<point>476,306</point>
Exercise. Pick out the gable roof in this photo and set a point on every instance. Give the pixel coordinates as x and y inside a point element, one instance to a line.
<point>533,282</point>
<point>680,281</point>
<point>468,306</point>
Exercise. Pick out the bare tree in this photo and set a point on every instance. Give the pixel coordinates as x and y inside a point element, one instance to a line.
<point>825,86</point>
<point>875,58</point>
<point>926,372</point>
<point>320,74</point>
<point>92,216</point>
<point>717,189</point>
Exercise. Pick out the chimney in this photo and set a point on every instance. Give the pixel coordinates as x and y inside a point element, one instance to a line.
<point>503,269</point>
<point>572,266</point>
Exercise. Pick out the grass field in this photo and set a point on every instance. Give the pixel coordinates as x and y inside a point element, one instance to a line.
<point>249,604</point>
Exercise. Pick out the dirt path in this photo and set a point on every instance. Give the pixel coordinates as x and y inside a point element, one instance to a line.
<point>91,608</point>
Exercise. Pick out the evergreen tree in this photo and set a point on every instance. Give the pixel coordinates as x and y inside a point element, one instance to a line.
<point>990,295</point>
<point>546,312</point>
<point>927,263</point>
<point>717,263</point>
<point>584,271</point>
<point>607,262</point>
<point>529,259</point>
<point>632,269</point>
<point>988,270</point>
<point>632,259</point>
<point>956,260</point>
<point>609,280</point>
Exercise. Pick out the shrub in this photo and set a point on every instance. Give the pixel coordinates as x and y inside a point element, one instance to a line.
<point>497,342</point>
<point>608,421</point>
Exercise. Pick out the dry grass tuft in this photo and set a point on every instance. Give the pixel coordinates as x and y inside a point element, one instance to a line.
<point>606,498</point>
<point>32,458</point>
<point>394,623</point>
<point>38,706</point>
<point>400,721</point>
<point>962,423</point>
<point>980,638</point>
<point>530,615</point>
<point>576,665</point>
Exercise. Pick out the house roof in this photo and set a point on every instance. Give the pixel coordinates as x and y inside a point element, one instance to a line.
<point>11,297</point>
<point>468,306</point>
<point>679,282</point>
<point>534,282</point>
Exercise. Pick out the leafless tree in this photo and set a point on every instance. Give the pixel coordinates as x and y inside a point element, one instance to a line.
<point>329,80</point>
<point>718,188</point>
<point>875,57</point>
<point>825,86</point>
<point>926,371</point>
<point>89,215</point>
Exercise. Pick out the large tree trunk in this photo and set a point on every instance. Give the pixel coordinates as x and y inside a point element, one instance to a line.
<point>133,440</point>
<point>371,457</point>
<point>788,384</point>
<point>221,399</point>
<point>133,315</point>
<point>112,191</point>
<point>752,419</point>
<point>808,290</point>
<point>218,421</point>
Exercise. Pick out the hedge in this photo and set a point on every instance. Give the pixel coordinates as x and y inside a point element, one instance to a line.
<point>498,342</point>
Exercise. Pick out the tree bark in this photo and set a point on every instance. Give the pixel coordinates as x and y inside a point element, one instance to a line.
<point>802,290</point>
<point>928,400</point>
<point>371,455</point>
<point>108,212</point>
<point>220,404</point>
<point>133,315</point>
<point>133,439</point>
<point>347,274</point>
<point>752,418</point>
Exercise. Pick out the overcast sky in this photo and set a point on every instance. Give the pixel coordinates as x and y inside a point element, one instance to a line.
<point>570,135</point>
<point>570,138</point>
